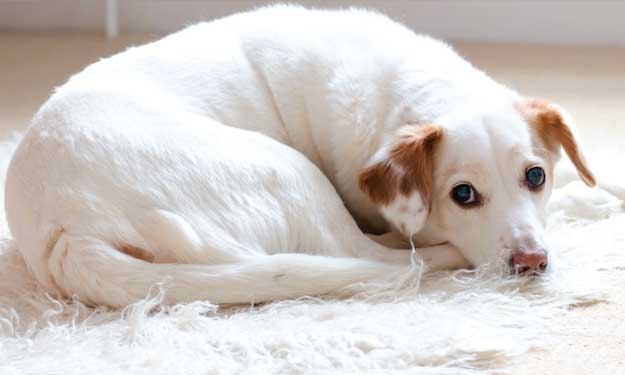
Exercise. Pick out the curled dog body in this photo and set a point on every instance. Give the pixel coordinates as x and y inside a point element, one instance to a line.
<point>245,157</point>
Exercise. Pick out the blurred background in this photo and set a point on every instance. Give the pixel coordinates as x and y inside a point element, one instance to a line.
<point>522,21</point>
<point>572,52</point>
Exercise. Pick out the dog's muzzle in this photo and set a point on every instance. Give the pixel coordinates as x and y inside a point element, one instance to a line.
<point>529,262</point>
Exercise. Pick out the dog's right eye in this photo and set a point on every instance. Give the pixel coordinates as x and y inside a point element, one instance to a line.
<point>465,195</point>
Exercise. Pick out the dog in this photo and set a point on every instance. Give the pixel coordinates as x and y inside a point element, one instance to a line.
<point>279,153</point>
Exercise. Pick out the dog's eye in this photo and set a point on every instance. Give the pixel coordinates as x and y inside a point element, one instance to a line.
<point>464,195</point>
<point>535,177</point>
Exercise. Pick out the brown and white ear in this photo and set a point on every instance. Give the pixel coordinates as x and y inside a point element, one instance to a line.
<point>400,181</point>
<point>553,126</point>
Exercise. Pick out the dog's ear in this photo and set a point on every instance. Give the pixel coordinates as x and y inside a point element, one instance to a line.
<point>552,125</point>
<point>401,179</point>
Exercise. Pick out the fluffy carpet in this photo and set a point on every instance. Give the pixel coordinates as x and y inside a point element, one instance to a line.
<point>467,322</point>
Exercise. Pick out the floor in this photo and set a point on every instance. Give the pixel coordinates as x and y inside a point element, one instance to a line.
<point>589,82</point>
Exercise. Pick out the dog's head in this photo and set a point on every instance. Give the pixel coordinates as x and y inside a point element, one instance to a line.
<point>478,181</point>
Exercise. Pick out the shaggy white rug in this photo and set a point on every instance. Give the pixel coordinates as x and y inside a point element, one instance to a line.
<point>446,323</point>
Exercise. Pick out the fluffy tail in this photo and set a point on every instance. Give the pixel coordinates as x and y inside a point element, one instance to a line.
<point>98,273</point>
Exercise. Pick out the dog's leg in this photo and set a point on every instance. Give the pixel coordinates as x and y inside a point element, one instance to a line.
<point>167,232</point>
<point>442,257</point>
<point>390,239</point>
<point>438,257</point>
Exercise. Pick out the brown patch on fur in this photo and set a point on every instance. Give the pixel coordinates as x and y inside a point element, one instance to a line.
<point>380,182</point>
<point>408,168</point>
<point>552,129</point>
<point>137,252</point>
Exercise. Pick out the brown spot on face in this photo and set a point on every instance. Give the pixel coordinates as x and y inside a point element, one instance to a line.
<point>408,168</point>
<point>136,252</point>
<point>550,126</point>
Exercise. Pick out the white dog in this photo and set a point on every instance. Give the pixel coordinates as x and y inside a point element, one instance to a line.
<point>242,159</point>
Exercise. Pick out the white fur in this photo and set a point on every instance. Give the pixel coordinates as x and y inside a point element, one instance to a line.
<point>445,323</point>
<point>223,147</point>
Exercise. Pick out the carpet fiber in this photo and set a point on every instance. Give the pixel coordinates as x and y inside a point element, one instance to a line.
<point>466,322</point>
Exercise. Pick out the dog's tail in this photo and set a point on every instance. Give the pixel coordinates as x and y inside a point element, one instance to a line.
<point>98,273</point>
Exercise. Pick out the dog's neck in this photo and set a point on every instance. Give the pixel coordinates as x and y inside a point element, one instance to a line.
<point>357,135</point>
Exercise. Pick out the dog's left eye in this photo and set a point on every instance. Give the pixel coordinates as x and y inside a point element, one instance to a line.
<point>535,177</point>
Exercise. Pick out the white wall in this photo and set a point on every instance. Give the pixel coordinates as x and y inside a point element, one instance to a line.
<point>586,22</point>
